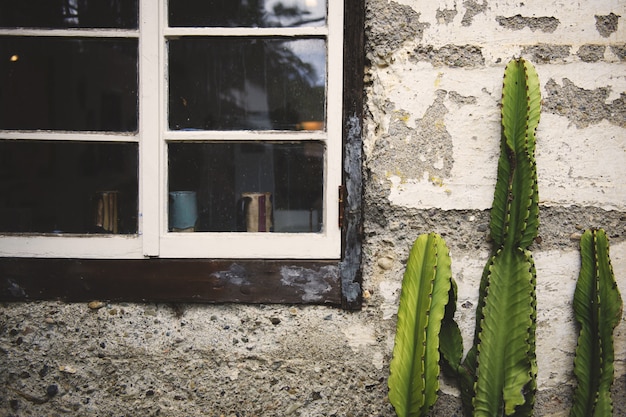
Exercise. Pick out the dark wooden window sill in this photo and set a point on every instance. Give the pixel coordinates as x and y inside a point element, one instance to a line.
<point>171,280</point>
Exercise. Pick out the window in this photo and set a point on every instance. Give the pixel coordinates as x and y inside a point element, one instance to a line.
<point>204,136</point>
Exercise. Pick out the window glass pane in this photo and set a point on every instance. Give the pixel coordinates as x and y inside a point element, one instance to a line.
<point>68,84</point>
<point>51,14</point>
<point>68,187</point>
<point>249,13</point>
<point>243,187</point>
<point>230,84</point>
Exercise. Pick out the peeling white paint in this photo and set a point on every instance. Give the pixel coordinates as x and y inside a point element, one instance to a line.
<point>313,284</point>
<point>234,275</point>
<point>390,293</point>
<point>359,336</point>
<point>575,28</point>
<point>572,168</point>
<point>581,166</point>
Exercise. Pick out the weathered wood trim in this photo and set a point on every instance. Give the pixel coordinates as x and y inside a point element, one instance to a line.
<point>354,65</point>
<point>170,280</point>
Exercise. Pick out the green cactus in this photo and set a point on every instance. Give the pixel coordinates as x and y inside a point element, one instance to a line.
<point>427,288</point>
<point>498,375</point>
<point>598,310</point>
<point>504,344</point>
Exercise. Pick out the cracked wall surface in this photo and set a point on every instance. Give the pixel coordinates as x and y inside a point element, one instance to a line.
<point>584,107</point>
<point>431,144</point>
<point>519,22</point>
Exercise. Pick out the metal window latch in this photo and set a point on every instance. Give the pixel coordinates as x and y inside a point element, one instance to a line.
<point>342,195</point>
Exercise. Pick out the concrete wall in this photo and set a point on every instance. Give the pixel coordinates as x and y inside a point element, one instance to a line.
<point>431,148</point>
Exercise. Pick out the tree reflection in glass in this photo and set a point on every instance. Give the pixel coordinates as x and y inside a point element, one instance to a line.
<point>246,83</point>
<point>247,13</point>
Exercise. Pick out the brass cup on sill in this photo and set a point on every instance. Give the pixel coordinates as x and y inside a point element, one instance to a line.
<point>106,216</point>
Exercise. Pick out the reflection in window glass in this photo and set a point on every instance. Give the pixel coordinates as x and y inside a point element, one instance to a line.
<point>255,187</point>
<point>58,14</point>
<point>247,13</point>
<point>256,84</point>
<point>68,187</point>
<point>68,84</point>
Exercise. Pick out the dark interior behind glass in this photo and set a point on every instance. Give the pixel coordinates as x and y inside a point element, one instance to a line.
<point>59,14</point>
<point>68,187</point>
<point>222,174</point>
<point>58,83</point>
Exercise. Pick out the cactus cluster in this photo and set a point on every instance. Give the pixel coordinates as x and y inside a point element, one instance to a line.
<point>498,375</point>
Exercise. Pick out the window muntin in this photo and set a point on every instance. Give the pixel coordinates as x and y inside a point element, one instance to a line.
<point>153,237</point>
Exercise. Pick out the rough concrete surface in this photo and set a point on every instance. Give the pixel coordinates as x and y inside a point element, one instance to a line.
<point>607,24</point>
<point>431,132</point>
<point>148,360</point>
<point>591,53</point>
<point>584,107</point>
<point>394,24</point>
<point>518,22</point>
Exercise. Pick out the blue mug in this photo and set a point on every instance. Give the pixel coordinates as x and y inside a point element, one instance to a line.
<point>183,211</point>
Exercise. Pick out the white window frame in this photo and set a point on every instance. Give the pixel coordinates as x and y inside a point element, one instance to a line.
<point>153,238</point>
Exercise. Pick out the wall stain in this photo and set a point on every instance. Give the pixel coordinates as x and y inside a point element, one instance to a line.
<point>388,25</point>
<point>519,22</point>
<point>473,9</point>
<point>607,24</point>
<point>450,55</point>
<point>413,153</point>
<point>546,53</point>
<point>584,107</point>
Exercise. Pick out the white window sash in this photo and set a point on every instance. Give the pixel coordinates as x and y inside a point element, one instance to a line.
<point>153,239</point>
